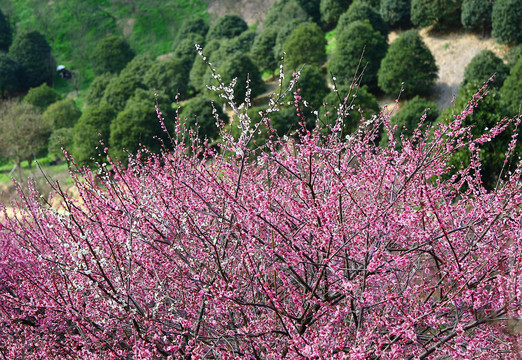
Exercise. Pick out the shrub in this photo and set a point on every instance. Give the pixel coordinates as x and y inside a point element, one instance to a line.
<point>408,60</point>
<point>305,45</point>
<point>191,27</point>
<point>97,88</point>
<point>312,8</point>
<point>362,11</point>
<point>168,77</point>
<point>396,13</point>
<point>42,96</point>
<point>62,114</point>
<point>331,10</point>
<point>120,89</point>
<point>92,128</point>
<point>262,51</point>
<point>318,248</point>
<point>228,27</point>
<point>483,66</point>
<point>505,18</point>
<point>111,55</point>
<point>33,53</point>
<point>442,13</point>
<point>59,140</point>
<point>10,75</point>
<point>283,12</point>
<point>358,39</point>
<point>476,14</point>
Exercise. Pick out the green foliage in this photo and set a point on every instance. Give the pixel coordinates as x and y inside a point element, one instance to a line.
<point>409,116</point>
<point>512,89</point>
<point>42,96</point>
<point>10,74</point>
<point>137,125</point>
<point>23,134</point>
<point>227,27</point>
<point>6,33</point>
<point>362,105</point>
<point>312,87</point>
<point>410,61</point>
<point>33,53</point>
<point>168,77</point>
<point>97,89</point>
<point>441,13</point>
<point>262,50</point>
<point>361,11</point>
<point>331,10</point>
<point>190,27</point>
<point>200,67</point>
<point>92,127</point>
<point>199,113</point>
<point>483,66</point>
<point>62,114</point>
<point>396,13</point>
<point>283,12</point>
<point>476,14</point>
<point>283,34</point>
<point>239,66</point>
<point>513,55</point>
<point>60,138</point>
<point>138,67</point>
<point>111,55</point>
<point>507,26</point>
<point>489,111</point>
<point>312,8</point>
<point>351,42</point>
<point>186,51</point>
<point>120,89</point>
<point>241,43</point>
<point>306,44</point>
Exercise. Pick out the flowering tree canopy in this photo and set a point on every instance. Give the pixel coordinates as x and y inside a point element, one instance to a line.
<point>315,246</point>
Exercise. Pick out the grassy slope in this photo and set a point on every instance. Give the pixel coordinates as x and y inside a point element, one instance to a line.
<point>73,27</point>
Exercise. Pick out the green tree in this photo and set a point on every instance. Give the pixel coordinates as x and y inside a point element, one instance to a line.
<point>200,116</point>
<point>351,42</point>
<point>97,88</point>
<point>505,17</point>
<point>408,117</point>
<point>305,45</point>
<point>111,55</point>
<point>361,11</point>
<point>137,125</point>
<point>227,26</point>
<point>312,8</point>
<point>10,74</point>
<point>168,77</point>
<point>408,60</point>
<point>483,66</point>
<point>62,114</point>
<point>284,11</point>
<point>476,14</point>
<point>6,33</point>
<point>186,51</point>
<point>23,134</point>
<point>262,50</point>
<point>200,67</point>
<point>442,13</point>
<point>138,67</point>
<point>92,127</point>
<point>282,35</point>
<point>512,89</point>
<point>190,27</point>
<point>361,104</point>
<point>120,89</point>
<point>331,10</point>
<point>396,13</point>
<point>42,96</point>
<point>239,66</point>
<point>33,53</point>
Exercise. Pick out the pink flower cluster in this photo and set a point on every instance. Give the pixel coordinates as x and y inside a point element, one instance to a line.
<point>313,248</point>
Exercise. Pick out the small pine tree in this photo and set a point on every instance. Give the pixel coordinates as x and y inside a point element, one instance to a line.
<point>483,66</point>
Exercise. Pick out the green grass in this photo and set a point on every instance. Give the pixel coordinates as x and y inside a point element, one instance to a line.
<point>50,170</point>
<point>330,41</point>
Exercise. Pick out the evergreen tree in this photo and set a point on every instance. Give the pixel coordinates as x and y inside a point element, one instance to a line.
<point>331,10</point>
<point>199,114</point>
<point>62,114</point>
<point>362,11</point>
<point>352,41</point>
<point>42,96</point>
<point>396,13</point>
<point>483,66</point>
<point>305,45</point>
<point>476,14</point>
<point>6,33</point>
<point>227,26</point>
<point>512,89</point>
<point>111,55</point>
<point>262,50</point>
<point>33,53</point>
<point>168,77</point>
<point>408,60</point>
<point>10,75</point>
